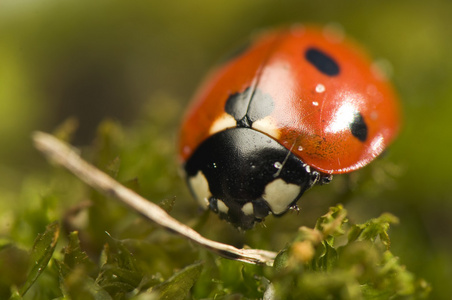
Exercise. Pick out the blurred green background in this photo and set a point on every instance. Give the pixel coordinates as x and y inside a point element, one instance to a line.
<point>138,63</point>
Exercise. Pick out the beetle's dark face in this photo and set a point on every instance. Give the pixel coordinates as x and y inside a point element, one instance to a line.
<point>244,175</point>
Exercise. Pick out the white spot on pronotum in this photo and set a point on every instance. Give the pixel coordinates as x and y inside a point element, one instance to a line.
<point>268,126</point>
<point>224,122</point>
<point>222,207</point>
<point>248,209</point>
<point>319,88</point>
<point>279,195</point>
<point>200,187</point>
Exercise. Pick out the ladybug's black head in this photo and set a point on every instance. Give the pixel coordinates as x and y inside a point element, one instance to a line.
<point>244,175</point>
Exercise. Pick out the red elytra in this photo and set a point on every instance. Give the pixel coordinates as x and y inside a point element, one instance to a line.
<point>313,108</point>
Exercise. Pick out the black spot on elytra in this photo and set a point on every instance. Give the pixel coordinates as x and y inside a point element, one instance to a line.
<point>261,106</point>
<point>249,106</point>
<point>359,128</point>
<point>237,104</point>
<point>322,61</point>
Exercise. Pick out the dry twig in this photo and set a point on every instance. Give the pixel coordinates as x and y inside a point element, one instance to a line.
<point>62,154</point>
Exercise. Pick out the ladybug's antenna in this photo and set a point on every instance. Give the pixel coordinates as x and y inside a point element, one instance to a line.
<point>284,161</point>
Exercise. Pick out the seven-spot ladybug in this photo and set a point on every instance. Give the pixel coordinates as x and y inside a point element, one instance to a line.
<point>295,107</point>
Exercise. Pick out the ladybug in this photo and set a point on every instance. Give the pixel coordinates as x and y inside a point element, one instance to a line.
<point>295,107</point>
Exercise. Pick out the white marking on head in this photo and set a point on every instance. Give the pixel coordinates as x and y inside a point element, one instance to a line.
<point>248,209</point>
<point>200,188</point>
<point>222,207</point>
<point>279,195</point>
<point>319,88</point>
<point>268,126</point>
<point>225,121</point>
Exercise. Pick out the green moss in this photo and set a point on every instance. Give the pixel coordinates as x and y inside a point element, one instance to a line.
<point>134,65</point>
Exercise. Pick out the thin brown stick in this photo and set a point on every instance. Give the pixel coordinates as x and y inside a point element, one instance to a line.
<point>62,154</point>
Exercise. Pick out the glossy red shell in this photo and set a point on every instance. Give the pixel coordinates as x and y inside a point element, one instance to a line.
<point>312,110</point>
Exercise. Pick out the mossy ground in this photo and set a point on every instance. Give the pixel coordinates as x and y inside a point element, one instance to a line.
<point>125,71</point>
